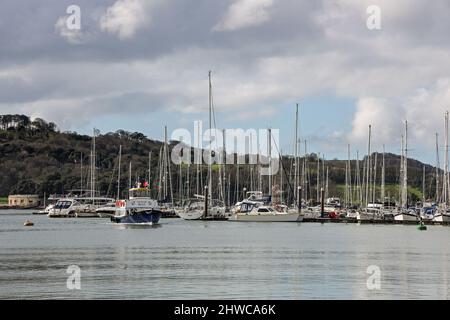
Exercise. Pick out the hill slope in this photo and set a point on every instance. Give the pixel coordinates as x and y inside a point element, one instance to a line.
<point>36,158</point>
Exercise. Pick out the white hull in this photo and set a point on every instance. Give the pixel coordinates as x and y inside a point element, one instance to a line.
<point>405,217</point>
<point>86,215</point>
<point>191,215</point>
<point>441,218</point>
<point>361,216</point>
<point>278,217</point>
<point>214,212</point>
<point>105,214</point>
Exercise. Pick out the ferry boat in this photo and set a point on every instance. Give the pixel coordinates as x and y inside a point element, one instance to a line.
<point>139,208</point>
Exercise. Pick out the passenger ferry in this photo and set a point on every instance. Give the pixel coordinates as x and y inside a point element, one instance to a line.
<point>139,208</point>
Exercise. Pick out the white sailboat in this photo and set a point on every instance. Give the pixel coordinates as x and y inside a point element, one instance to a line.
<point>443,212</point>
<point>256,211</point>
<point>204,207</point>
<point>403,214</point>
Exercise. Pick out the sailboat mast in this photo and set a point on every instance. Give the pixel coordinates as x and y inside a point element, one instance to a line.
<point>383,177</point>
<point>423,185</point>
<point>296,164</point>
<point>402,163</point>
<point>348,180</point>
<point>81,174</point>
<point>224,174</point>
<point>405,167</point>
<point>118,172</point>
<point>445,182</point>
<point>129,175</point>
<point>269,150</point>
<point>374,177</point>
<point>318,179</point>
<point>437,170</point>
<point>210,144</point>
<point>368,168</point>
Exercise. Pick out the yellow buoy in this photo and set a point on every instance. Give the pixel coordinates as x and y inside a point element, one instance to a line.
<point>28,223</point>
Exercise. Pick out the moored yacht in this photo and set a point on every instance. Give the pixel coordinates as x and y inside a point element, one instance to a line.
<point>106,211</point>
<point>139,208</point>
<point>252,211</point>
<point>195,210</point>
<point>442,215</point>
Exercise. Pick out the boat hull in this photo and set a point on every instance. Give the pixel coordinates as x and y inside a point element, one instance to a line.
<point>148,217</point>
<point>288,217</point>
<point>405,217</point>
<point>441,218</point>
<point>214,213</point>
<point>191,215</point>
<point>86,214</point>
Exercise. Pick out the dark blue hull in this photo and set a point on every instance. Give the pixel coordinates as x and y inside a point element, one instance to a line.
<point>148,217</point>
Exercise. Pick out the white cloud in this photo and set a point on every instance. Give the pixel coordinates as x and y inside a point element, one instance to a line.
<point>124,18</point>
<point>424,110</point>
<point>245,13</point>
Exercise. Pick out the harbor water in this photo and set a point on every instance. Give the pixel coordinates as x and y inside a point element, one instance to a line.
<point>180,259</point>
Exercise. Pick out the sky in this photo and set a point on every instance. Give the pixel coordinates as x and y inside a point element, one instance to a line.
<point>139,65</point>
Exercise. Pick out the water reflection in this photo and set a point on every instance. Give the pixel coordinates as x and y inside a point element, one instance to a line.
<point>220,260</point>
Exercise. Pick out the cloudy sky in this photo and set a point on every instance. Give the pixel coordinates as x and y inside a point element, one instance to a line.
<point>138,65</point>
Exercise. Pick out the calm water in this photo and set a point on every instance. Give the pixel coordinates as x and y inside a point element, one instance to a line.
<point>220,260</point>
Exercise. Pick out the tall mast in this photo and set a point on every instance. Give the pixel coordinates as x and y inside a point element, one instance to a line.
<point>224,157</point>
<point>383,177</point>
<point>269,150</point>
<point>93,167</point>
<point>168,172</point>
<point>318,179</point>
<point>296,164</point>
<point>423,185</point>
<point>445,182</point>
<point>118,173</point>
<point>305,173</point>
<point>81,174</point>
<point>402,163</point>
<point>405,166</point>
<point>437,170</point>
<point>210,148</point>
<point>368,168</point>
<point>348,180</point>
<point>374,177</point>
<point>358,180</point>
<point>129,175</point>
<point>281,176</point>
<point>149,167</point>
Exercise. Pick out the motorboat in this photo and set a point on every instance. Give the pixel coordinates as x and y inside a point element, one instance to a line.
<point>252,211</point>
<point>139,208</point>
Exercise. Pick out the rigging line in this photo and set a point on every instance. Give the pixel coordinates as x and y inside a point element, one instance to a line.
<point>282,166</point>
<point>110,181</point>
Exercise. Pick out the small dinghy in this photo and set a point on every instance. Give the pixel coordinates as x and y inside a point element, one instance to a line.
<point>28,223</point>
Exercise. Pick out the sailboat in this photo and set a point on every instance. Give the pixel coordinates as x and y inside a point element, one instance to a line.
<point>403,214</point>
<point>443,212</point>
<point>79,204</point>
<point>256,211</point>
<point>204,207</point>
